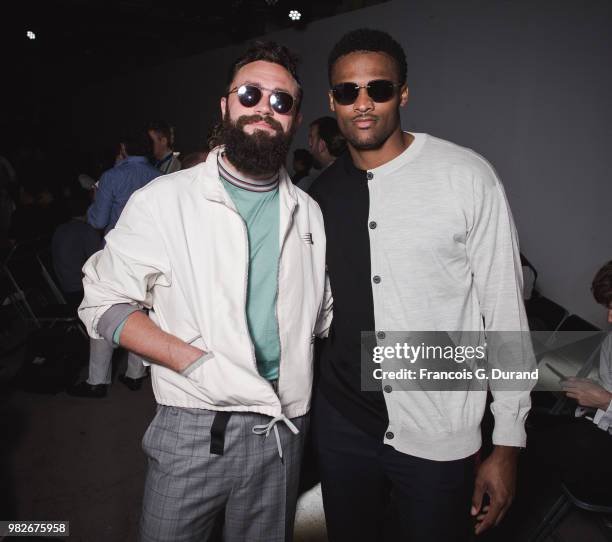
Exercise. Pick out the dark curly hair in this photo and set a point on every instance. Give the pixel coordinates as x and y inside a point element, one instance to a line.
<point>602,285</point>
<point>368,39</point>
<point>270,51</point>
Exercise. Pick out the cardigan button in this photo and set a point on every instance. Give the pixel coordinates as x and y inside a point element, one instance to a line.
<point>389,435</point>
<point>370,175</point>
<point>376,279</point>
<point>381,335</point>
<point>388,389</point>
<point>373,225</point>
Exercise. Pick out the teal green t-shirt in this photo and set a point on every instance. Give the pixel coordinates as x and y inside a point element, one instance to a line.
<point>261,213</point>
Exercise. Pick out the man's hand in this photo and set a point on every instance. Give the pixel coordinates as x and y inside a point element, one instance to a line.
<point>497,478</point>
<point>142,336</point>
<point>587,392</point>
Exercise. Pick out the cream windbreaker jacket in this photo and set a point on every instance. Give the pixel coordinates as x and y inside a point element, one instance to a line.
<point>180,248</point>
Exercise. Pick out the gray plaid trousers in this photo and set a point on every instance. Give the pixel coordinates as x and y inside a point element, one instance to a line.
<point>187,487</point>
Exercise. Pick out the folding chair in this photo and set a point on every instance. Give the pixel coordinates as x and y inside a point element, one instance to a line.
<point>572,350</point>
<point>45,260</point>
<point>56,339</point>
<point>545,316</point>
<point>592,500</point>
<point>530,278</point>
<point>34,293</point>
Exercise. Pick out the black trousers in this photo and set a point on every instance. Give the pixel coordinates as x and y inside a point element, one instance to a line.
<point>371,492</point>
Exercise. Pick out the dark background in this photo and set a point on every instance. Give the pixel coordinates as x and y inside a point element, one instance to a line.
<point>526,84</point>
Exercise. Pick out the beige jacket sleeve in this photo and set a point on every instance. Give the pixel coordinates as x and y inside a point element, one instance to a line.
<point>132,264</point>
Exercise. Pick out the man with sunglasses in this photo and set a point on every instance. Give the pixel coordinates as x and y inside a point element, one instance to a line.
<point>419,238</point>
<point>230,259</point>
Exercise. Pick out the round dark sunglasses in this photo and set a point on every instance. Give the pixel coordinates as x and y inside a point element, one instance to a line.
<point>250,96</point>
<point>380,91</point>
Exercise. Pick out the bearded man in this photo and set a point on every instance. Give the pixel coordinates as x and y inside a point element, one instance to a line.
<point>229,258</point>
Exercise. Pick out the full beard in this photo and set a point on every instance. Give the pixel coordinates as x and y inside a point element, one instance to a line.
<point>259,153</point>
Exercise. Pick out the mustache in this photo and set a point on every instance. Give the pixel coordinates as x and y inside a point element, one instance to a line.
<point>244,120</point>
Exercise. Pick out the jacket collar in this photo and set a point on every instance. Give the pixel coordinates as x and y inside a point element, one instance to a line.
<point>240,181</point>
<point>213,189</point>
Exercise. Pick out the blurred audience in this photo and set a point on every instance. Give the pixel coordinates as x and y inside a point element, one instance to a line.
<point>215,136</point>
<point>162,137</point>
<point>302,164</point>
<point>131,172</point>
<point>194,158</point>
<point>72,244</point>
<point>325,142</point>
<point>595,398</point>
<point>576,449</point>
<point>23,220</point>
<point>36,215</point>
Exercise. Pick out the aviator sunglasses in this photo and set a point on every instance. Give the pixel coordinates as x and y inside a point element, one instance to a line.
<point>250,96</point>
<point>379,91</point>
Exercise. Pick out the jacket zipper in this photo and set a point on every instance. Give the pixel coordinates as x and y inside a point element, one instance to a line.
<point>280,343</point>
<point>246,285</point>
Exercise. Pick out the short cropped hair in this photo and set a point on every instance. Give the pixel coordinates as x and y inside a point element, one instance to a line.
<point>164,129</point>
<point>602,285</point>
<point>138,143</point>
<point>367,39</point>
<point>269,51</point>
<point>331,134</point>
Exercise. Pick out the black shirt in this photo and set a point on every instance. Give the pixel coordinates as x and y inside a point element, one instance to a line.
<point>342,193</point>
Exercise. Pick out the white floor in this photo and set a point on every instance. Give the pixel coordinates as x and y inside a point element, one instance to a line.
<point>309,520</point>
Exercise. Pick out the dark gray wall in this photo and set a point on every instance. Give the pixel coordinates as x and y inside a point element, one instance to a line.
<point>526,84</point>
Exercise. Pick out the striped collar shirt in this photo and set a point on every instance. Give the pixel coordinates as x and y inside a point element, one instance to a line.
<point>253,185</point>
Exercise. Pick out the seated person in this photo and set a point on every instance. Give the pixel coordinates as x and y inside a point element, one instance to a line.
<point>577,450</point>
<point>593,397</point>
<point>72,244</point>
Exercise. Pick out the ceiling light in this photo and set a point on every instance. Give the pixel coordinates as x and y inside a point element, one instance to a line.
<point>30,35</point>
<point>295,15</point>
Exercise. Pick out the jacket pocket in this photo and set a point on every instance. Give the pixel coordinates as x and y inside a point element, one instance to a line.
<point>191,369</point>
<point>195,371</point>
